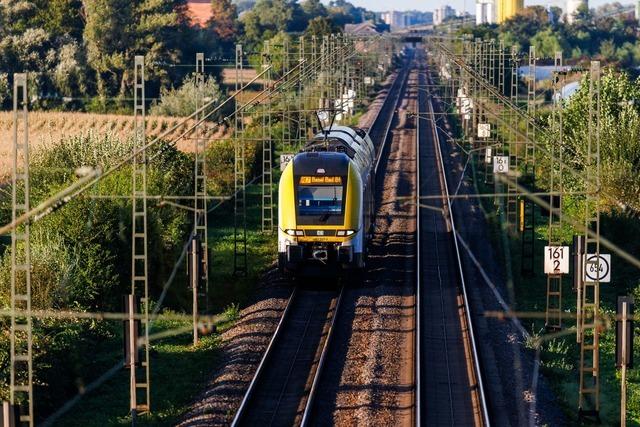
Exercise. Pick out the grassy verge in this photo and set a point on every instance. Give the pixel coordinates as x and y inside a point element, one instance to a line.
<point>261,251</point>
<point>180,371</point>
<point>560,356</point>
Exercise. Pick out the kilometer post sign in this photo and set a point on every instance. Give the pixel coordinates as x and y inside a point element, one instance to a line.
<point>556,259</point>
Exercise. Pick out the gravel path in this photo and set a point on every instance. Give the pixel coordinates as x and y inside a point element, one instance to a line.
<point>242,348</point>
<point>369,379</point>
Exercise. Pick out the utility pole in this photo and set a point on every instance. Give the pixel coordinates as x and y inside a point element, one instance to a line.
<point>490,79</point>
<point>528,211</point>
<point>139,240</point>
<point>589,392</point>
<point>239,205</point>
<point>200,204</point>
<point>302,117</point>
<point>21,358</point>
<point>267,176</point>
<point>286,113</point>
<point>512,188</point>
<point>553,315</point>
<point>623,367</point>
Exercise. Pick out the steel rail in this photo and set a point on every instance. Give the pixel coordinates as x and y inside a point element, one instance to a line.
<point>306,416</point>
<point>474,347</point>
<point>398,95</point>
<point>417,372</point>
<point>244,405</point>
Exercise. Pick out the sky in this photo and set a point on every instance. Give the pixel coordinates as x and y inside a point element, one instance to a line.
<point>384,5</point>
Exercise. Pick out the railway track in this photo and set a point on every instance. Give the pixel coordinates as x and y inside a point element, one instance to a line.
<point>449,387</point>
<point>283,388</point>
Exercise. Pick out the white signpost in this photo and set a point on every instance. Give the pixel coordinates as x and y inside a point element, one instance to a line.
<point>487,155</point>
<point>284,160</point>
<point>556,259</point>
<point>597,268</point>
<point>484,130</point>
<point>501,164</point>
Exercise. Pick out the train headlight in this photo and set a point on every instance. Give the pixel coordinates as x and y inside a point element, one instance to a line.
<point>343,233</point>
<point>294,232</point>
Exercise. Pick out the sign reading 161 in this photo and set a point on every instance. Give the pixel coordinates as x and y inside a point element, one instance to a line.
<point>556,259</point>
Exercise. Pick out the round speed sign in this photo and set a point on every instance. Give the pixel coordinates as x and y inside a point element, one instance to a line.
<point>597,268</point>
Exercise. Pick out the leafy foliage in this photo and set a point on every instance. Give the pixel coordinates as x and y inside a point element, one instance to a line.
<point>80,253</point>
<point>181,102</point>
<point>613,39</point>
<point>619,138</point>
<point>223,19</point>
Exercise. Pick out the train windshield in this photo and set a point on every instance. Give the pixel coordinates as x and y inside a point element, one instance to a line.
<point>320,200</point>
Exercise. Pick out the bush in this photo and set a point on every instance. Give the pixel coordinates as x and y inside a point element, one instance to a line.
<point>220,158</point>
<point>181,102</point>
<point>81,254</point>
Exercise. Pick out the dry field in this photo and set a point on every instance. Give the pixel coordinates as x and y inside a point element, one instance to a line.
<point>46,127</point>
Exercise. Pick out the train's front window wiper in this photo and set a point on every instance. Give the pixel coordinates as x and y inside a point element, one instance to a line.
<point>325,217</point>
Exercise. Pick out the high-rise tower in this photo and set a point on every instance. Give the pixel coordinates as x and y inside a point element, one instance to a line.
<point>508,8</point>
<point>486,12</point>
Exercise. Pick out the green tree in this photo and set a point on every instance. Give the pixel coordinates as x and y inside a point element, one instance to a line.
<point>62,17</point>
<point>526,24</point>
<point>116,30</point>
<point>313,9</point>
<point>321,26</point>
<point>70,74</point>
<point>109,35</point>
<point>181,102</point>
<point>619,137</point>
<point>270,17</point>
<point>607,49</point>
<point>583,14</point>
<point>547,42</point>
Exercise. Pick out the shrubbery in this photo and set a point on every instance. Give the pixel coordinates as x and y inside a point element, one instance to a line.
<point>81,254</point>
<point>181,102</point>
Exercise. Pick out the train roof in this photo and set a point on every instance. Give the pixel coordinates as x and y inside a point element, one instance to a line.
<point>331,163</point>
<point>354,142</point>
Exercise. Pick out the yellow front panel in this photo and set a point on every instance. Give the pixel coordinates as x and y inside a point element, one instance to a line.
<point>287,200</point>
<point>353,201</point>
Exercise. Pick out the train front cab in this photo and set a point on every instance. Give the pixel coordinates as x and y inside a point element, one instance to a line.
<point>321,229</point>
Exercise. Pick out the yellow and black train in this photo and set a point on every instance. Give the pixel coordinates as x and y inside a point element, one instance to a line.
<point>326,204</point>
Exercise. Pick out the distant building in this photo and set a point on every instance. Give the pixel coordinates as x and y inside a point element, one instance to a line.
<point>485,12</point>
<point>415,17</point>
<point>397,19</point>
<point>366,28</point>
<point>442,13</point>
<point>572,8</point>
<point>507,9</point>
